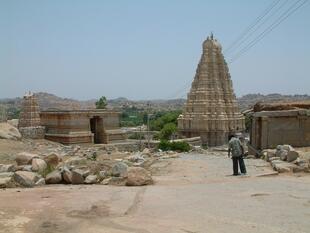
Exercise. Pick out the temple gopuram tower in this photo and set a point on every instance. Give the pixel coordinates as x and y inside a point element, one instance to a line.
<point>29,123</point>
<point>211,110</point>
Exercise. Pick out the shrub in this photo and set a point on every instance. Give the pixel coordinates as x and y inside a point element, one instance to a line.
<point>167,131</point>
<point>174,146</point>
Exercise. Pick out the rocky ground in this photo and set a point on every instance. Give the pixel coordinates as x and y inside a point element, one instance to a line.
<point>191,193</point>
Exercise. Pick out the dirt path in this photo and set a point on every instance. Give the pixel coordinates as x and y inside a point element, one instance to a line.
<point>194,193</point>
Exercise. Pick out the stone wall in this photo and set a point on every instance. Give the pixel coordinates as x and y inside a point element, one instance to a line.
<point>272,128</point>
<point>36,132</point>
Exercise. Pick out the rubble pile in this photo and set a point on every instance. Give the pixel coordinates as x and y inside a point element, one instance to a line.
<point>286,159</point>
<point>57,164</point>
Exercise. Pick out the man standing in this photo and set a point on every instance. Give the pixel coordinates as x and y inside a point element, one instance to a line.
<point>236,149</point>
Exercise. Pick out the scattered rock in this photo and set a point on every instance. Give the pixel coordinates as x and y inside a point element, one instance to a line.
<point>77,176</point>
<point>91,179</point>
<point>54,177</point>
<point>102,175</point>
<point>119,170</point>
<point>138,176</point>
<point>52,159</point>
<point>27,168</point>
<point>7,182</point>
<point>38,165</point>
<point>106,181</point>
<point>25,158</point>
<point>76,161</point>
<point>7,168</point>
<point>292,155</point>
<point>67,175</point>
<point>6,174</point>
<point>119,181</point>
<point>40,182</point>
<point>25,178</point>
<point>8,131</point>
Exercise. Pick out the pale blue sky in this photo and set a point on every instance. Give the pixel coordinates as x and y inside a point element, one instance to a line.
<point>143,49</point>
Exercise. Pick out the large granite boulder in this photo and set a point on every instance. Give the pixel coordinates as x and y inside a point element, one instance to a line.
<point>119,170</point>
<point>25,158</point>
<point>26,179</point>
<point>8,131</point>
<point>138,176</point>
<point>54,177</point>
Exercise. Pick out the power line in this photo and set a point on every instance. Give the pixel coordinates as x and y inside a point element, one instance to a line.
<point>275,24</point>
<point>246,37</point>
<point>249,28</point>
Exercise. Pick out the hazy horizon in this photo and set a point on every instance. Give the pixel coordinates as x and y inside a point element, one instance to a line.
<point>143,50</point>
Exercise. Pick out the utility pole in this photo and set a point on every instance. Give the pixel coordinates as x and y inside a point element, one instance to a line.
<point>148,124</point>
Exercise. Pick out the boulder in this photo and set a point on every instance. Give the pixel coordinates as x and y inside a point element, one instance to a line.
<point>282,154</point>
<point>54,177</point>
<point>6,174</point>
<point>91,179</point>
<point>25,158</point>
<point>138,176</point>
<point>25,178</point>
<point>7,182</point>
<point>292,156</point>
<point>8,131</point>
<point>7,168</point>
<point>102,175</point>
<point>119,170</point>
<point>282,167</point>
<point>52,159</point>
<point>67,175</point>
<point>38,165</point>
<point>77,176</point>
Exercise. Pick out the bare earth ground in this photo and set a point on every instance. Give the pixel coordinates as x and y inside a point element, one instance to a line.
<point>194,193</point>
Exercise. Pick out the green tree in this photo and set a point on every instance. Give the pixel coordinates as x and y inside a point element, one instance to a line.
<point>168,130</point>
<point>101,103</point>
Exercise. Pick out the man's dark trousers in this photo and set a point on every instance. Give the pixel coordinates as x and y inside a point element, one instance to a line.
<point>239,160</point>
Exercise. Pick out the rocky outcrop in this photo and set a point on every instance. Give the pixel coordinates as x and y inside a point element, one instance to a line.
<point>8,131</point>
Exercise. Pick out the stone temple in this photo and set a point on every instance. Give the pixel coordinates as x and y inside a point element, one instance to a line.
<point>211,110</point>
<point>29,123</point>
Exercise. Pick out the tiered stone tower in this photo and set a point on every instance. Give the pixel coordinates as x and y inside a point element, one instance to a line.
<point>211,110</point>
<point>29,123</point>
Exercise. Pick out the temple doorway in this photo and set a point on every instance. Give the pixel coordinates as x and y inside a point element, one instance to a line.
<point>95,127</point>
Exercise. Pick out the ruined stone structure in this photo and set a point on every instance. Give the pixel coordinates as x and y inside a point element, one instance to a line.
<point>272,128</point>
<point>82,126</point>
<point>29,124</point>
<point>211,110</point>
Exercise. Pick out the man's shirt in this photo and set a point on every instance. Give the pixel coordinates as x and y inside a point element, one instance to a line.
<point>235,147</point>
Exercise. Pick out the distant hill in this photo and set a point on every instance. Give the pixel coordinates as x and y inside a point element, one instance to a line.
<point>248,101</point>
<point>50,101</point>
